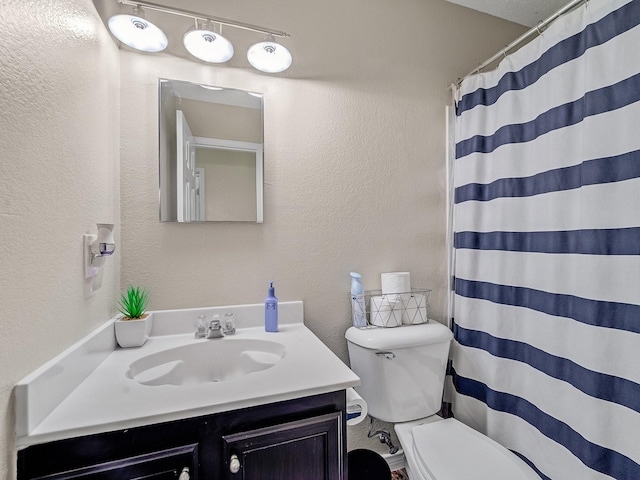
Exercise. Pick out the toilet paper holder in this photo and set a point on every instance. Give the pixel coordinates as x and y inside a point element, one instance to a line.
<point>396,309</point>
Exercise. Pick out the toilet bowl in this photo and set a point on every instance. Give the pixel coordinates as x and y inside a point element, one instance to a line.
<point>402,371</point>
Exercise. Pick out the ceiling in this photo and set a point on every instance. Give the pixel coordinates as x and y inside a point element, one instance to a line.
<point>524,12</point>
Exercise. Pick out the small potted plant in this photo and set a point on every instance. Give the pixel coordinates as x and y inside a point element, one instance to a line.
<point>134,326</point>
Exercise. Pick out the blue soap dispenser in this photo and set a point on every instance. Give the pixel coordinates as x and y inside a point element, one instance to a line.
<point>271,311</point>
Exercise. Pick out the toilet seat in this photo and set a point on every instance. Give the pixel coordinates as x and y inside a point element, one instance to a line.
<point>438,449</point>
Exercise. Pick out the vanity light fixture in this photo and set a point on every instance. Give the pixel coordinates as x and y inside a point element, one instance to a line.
<point>202,41</point>
<point>207,45</point>
<point>138,32</point>
<point>269,56</point>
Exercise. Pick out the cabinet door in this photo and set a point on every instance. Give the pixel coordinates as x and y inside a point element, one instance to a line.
<point>309,449</point>
<point>176,463</point>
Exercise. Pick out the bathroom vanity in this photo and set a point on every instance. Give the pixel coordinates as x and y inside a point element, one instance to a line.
<point>277,410</point>
<point>301,438</point>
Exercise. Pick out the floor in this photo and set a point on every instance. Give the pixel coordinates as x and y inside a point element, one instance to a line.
<point>399,475</point>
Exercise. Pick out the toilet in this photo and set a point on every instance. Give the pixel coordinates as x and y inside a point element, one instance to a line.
<point>402,371</point>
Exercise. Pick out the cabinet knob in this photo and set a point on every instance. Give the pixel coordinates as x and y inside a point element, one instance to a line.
<point>234,464</point>
<point>185,474</point>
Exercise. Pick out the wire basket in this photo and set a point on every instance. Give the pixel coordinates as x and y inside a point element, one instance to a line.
<point>390,309</point>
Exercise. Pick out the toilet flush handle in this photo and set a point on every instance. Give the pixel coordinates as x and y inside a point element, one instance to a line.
<point>387,355</point>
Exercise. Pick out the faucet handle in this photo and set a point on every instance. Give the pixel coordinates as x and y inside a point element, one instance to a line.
<point>200,326</point>
<point>229,327</point>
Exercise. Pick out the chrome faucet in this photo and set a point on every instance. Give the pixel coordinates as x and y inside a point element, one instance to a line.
<point>215,328</point>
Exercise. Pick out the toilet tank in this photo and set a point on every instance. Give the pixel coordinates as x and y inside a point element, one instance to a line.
<point>402,369</point>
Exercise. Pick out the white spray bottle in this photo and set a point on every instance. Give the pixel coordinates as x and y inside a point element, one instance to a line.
<point>358,308</point>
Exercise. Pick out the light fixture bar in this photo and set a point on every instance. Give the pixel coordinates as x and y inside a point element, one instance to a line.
<point>200,16</point>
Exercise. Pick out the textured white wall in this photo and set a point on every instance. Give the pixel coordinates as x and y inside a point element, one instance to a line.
<point>354,158</point>
<point>353,163</point>
<point>59,175</point>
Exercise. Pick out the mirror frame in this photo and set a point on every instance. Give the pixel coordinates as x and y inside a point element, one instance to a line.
<point>166,162</point>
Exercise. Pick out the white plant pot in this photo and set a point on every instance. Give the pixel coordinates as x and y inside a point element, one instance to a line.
<point>133,333</point>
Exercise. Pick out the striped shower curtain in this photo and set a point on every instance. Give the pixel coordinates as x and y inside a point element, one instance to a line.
<point>546,232</point>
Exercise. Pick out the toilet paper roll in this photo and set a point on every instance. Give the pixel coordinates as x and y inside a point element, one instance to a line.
<point>395,282</point>
<point>356,407</point>
<point>386,311</point>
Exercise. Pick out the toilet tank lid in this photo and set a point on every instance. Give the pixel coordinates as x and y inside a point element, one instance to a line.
<point>406,336</point>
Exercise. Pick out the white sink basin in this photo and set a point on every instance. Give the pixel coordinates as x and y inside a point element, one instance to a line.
<point>206,361</point>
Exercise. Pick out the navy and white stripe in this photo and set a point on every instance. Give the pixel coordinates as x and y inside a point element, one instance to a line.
<point>612,97</point>
<point>547,247</point>
<point>595,34</point>
<point>616,168</point>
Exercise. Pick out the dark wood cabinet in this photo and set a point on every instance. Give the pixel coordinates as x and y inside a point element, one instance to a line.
<point>162,465</point>
<point>296,439</point>
<point>308,448</point>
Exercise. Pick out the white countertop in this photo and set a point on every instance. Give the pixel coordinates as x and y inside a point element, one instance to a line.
<point>107,400</point>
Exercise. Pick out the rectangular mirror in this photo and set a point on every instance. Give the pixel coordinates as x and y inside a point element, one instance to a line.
<point>211,155</point>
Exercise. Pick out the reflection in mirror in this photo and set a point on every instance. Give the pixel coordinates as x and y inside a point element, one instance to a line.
<point>211,166</point>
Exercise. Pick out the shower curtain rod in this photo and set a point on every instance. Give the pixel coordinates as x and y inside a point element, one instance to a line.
<point>535,30</point>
